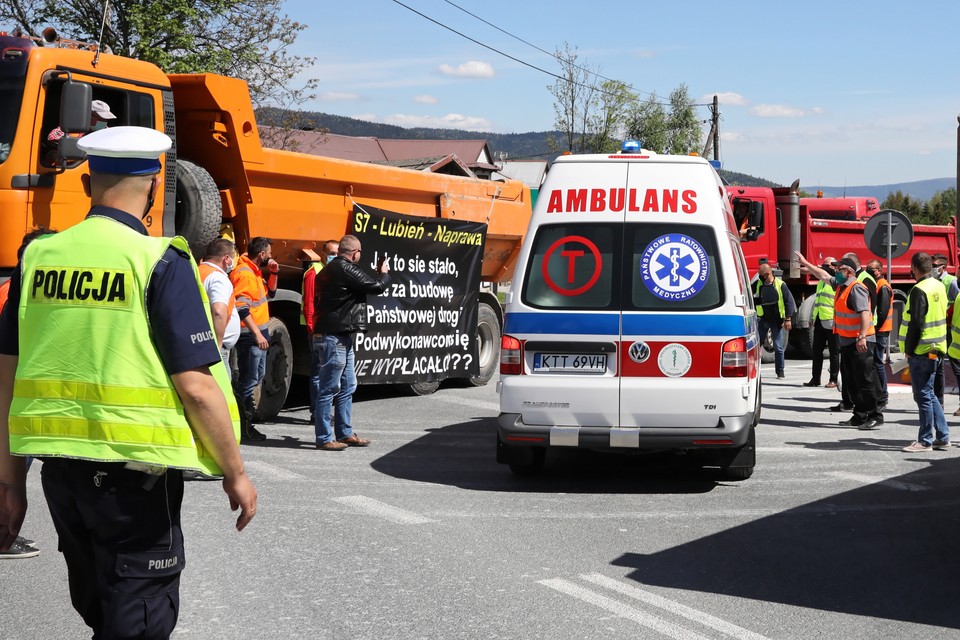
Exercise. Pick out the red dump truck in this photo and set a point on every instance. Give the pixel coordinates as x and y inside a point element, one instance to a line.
<point>822,227</point>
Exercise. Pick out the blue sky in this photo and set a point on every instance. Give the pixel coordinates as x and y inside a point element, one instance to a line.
<point>831,93</point>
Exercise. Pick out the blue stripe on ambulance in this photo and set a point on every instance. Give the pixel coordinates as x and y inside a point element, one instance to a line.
<point>724,326</point>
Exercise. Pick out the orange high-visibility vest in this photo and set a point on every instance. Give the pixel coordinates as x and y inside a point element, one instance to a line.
<point>888,323</point>
<point>249,291</point>
<point>846,321</point>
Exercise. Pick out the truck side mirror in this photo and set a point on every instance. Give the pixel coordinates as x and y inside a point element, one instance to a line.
<point>75,101</point>
<point>756,214</point>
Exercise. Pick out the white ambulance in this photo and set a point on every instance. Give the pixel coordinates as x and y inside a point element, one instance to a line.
<point>631,323</point>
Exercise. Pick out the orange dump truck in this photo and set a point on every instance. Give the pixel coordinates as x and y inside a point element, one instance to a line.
<point>445,234</point>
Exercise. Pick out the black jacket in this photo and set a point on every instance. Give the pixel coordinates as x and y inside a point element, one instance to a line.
<point>340,295</point>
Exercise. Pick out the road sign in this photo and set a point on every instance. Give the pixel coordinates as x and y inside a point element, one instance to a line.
<point>900,234</point>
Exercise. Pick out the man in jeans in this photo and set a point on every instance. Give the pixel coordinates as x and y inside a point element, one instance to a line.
<point>341,292</point>
<point>775,308</point>
<point>923,337</point>
<point>251,292</point>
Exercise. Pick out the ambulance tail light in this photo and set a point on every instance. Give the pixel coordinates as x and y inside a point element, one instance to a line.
<point>735,361</point>
<point>511,356</point>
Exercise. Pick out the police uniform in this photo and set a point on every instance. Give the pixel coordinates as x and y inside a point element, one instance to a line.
<point>100,316</point>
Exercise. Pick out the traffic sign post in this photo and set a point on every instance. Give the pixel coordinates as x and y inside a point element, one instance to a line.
<point>888,233</point>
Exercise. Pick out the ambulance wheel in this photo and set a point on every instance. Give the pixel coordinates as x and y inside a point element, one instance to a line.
<point>269,397</point>
<point>739,463</point>
<point>198,211</point>
<point>488,345</point>
<point>424,388</point>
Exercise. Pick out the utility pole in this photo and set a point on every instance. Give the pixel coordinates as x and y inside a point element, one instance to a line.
<point>715,126</point>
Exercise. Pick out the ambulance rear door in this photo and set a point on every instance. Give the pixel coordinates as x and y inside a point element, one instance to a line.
<point>570,322</point>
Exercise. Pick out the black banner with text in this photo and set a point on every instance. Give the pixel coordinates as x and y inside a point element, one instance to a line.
<point>424,327</point>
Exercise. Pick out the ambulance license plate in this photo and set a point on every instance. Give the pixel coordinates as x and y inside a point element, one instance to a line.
<point>569,363</point>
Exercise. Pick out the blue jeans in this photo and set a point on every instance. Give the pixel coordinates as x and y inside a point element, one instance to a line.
<point>776,332</point>
<point>932,421</point>
<point>251,366</point>
<point>314,377</point>
<point>879,358</point>
<point>334,366</point>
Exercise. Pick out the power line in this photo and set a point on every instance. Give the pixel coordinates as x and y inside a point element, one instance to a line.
<point>540,49</point>
<point>515,59</point>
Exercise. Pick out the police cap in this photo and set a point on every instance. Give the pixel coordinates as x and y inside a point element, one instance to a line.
<point>130,151</point>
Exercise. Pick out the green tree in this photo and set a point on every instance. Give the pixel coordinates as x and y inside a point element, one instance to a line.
<point>575,97</point>
<point>247,39</point>
<point>677,130</point>
<point>606,127</point>
<point>941,206</point>
<point>906,205</point>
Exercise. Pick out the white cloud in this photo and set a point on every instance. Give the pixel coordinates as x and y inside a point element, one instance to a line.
<point>726,98</point>
<point>471,69</point>
<point>783,111</point>
<point>335,96</point>
<point>731,136</point>
<point>425,99</point>
<point>449,121</point>
<point>647,53</point>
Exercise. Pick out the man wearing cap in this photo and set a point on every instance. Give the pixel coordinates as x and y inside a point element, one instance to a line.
<point>823,335</point>
<point>923,338</point>
<point>99,115</point>
<point>110,374</point>
<point>853,324</point>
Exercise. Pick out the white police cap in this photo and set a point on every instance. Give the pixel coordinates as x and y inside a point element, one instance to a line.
<point>133,151</point>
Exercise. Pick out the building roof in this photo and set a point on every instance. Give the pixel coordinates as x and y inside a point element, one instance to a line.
<point>474,154</point>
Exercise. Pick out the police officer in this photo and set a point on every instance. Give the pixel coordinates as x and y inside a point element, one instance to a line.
<point>119,386</point>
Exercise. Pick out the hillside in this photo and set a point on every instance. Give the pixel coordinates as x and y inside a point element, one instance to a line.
<point>533,145</point>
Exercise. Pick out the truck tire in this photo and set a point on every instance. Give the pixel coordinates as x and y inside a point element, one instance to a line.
<point>803,337</point>
<point>424,388</point>
<point>488,344</point>
<point>199,210</point>
<point>268,398</point>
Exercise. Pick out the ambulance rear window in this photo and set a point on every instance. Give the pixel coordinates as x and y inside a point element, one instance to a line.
<point>672,267</point>
<point>582,267</point>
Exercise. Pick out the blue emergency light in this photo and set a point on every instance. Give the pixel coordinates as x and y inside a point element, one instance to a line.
<point>630,146</point>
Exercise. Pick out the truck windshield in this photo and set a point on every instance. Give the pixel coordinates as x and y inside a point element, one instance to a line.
<point>11,95</point>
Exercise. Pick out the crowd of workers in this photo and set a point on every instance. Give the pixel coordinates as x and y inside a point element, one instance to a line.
<point>853,318</point>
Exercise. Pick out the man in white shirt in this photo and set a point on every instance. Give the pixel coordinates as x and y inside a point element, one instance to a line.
<point>217,263</point>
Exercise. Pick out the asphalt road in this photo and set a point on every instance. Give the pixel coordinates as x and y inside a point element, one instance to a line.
<point>422,535</point>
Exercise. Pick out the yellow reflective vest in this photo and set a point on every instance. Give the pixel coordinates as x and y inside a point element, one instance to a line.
<point>89,381</point>
<point>823,304</point>
<point>933,335</point>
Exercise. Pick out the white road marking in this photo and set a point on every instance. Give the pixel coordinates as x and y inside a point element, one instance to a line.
<point>893,484</point>
<point>648,620</point>
<point>676,608</point>
<point>382,510</point>
<point>270,471</point>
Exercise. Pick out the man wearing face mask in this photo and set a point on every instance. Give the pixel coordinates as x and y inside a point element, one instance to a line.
<point>853,323</point>
<point>823,335</point>
<point>251,292</point>
<point>941,272</point>
<point>883,322</point>
<point>100,114</point>
<point>775,308</point>
<point>308,308</point>
<point>214,273</point>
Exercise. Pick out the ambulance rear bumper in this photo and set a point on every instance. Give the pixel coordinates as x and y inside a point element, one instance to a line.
<point>731,432</point>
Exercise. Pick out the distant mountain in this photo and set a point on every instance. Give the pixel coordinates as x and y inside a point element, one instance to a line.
<point>533,146</point>
<point>921,190</point>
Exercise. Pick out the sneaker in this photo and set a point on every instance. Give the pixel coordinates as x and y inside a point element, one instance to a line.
<point>19,549</point>
<point>831,385</point>
<point>917,447</point>
<point>941,445</point>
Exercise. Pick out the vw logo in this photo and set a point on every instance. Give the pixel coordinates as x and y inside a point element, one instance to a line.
<point>639,352</point>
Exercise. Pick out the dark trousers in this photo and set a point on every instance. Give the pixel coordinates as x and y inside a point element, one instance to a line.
<point>879,360</point>
<point>119,532</point>
<point>859,380</point>
<point>823,337</point>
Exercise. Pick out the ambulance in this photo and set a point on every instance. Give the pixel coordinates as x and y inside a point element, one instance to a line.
<point>630,325</point>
